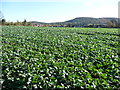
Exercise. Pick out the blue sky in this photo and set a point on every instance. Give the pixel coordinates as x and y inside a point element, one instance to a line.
<point>57,10</point>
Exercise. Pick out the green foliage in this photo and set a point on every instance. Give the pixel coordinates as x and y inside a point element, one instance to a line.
<point>71,58</point>
<point>3,21</point>
<point>24,23</point>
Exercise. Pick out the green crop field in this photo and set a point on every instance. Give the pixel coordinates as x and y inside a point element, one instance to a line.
<point>57,57</point>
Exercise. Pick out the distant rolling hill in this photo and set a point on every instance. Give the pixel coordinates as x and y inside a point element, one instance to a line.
<point>88,20</point>
<point>82,21</point>
<point>36,22</point>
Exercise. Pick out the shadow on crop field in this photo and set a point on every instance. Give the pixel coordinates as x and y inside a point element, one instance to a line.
<point>12,85</point>
<point>119,28</point>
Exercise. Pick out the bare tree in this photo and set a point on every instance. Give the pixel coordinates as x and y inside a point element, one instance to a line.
<point>1,17</point>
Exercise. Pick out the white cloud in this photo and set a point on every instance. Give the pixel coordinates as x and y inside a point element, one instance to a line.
<point>88,4</point>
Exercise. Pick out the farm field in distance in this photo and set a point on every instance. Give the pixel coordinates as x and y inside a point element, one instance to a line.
<point>58,57</point>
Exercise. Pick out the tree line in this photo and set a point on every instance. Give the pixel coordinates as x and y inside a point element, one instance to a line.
<point>109,24</point>
<point>18,23</point>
